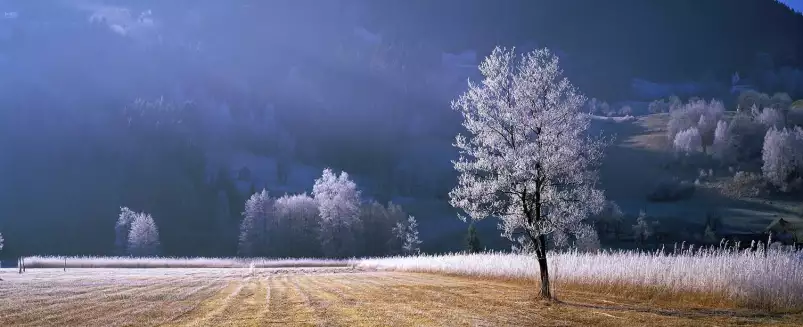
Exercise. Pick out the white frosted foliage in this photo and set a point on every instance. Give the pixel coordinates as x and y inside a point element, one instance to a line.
<point>526,158</point>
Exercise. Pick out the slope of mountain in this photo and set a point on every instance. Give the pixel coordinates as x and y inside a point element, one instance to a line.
<point>285,88</point>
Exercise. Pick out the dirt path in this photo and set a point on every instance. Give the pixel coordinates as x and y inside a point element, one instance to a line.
<point>322,298</point>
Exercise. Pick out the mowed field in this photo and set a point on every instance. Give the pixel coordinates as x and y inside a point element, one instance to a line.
<point>328,296</point>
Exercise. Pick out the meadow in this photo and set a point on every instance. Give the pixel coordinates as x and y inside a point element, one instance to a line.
<point>686,288</point>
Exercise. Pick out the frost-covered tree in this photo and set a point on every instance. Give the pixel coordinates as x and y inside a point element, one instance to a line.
<point>609,220</point>
<point>772,117</point>
<point>642,230</point>
<point>258,221</point>
<point>722,146</point>
<point>747,135</point>
<point>688,141</point>
<point>339,206</point>
<point>2,241</point>
<point>409,234</point>
<point>122,229</point>
<point>298,226</point>
<point>782,155</point>
<point>527,160</point>
<point>697,114</point>
<point>143,239</point>
<point>587,239</point>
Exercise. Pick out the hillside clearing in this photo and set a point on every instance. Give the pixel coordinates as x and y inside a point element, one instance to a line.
<point>323,296</point>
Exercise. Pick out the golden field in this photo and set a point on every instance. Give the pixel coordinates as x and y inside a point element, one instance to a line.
<point>337,297</point>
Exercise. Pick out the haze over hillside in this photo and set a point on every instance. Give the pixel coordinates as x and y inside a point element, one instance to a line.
<point>268,93</point>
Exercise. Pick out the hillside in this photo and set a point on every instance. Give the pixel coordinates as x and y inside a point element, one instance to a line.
<point>642,156</point>
<point>267,94</point>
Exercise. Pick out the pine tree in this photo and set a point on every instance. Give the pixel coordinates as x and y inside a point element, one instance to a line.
<point>473,240</point>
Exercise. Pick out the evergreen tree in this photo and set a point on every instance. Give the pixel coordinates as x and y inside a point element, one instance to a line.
<point>473,240</point>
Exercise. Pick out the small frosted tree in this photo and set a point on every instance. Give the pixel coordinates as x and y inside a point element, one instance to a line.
<point>642,230</point>
<point>411,243</point>
<point>339,207</point>
<point>782,155</point>
<point>122,229</point>
<point>721,148</point>
<point>688,141</point>
<point>528,160</point>
<point>396,218</point>
<point>587,239</point>
<point>258,219</point>
<point>772,117</point>
<point>143,239</point>
<point>2,241</point>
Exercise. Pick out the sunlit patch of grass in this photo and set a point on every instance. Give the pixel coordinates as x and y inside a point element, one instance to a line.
<point>714,278</point>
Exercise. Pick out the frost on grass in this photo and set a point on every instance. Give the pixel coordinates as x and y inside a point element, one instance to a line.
<point>774,281</point>
<point>177,262</point>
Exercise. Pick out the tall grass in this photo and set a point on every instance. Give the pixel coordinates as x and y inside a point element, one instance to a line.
<point>771,280</point>
<point>198,262</point>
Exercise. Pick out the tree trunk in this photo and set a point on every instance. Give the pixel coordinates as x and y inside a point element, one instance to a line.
<point>540,253</point>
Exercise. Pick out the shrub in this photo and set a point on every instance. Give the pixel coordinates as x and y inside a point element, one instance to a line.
<point>671,190</point>
<point>744,184</point>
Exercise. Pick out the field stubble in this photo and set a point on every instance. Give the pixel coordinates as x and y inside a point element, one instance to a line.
<point>331,297</point>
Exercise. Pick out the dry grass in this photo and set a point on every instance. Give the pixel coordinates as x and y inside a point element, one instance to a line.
<point>723,276</point>
<point>334,297</point>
